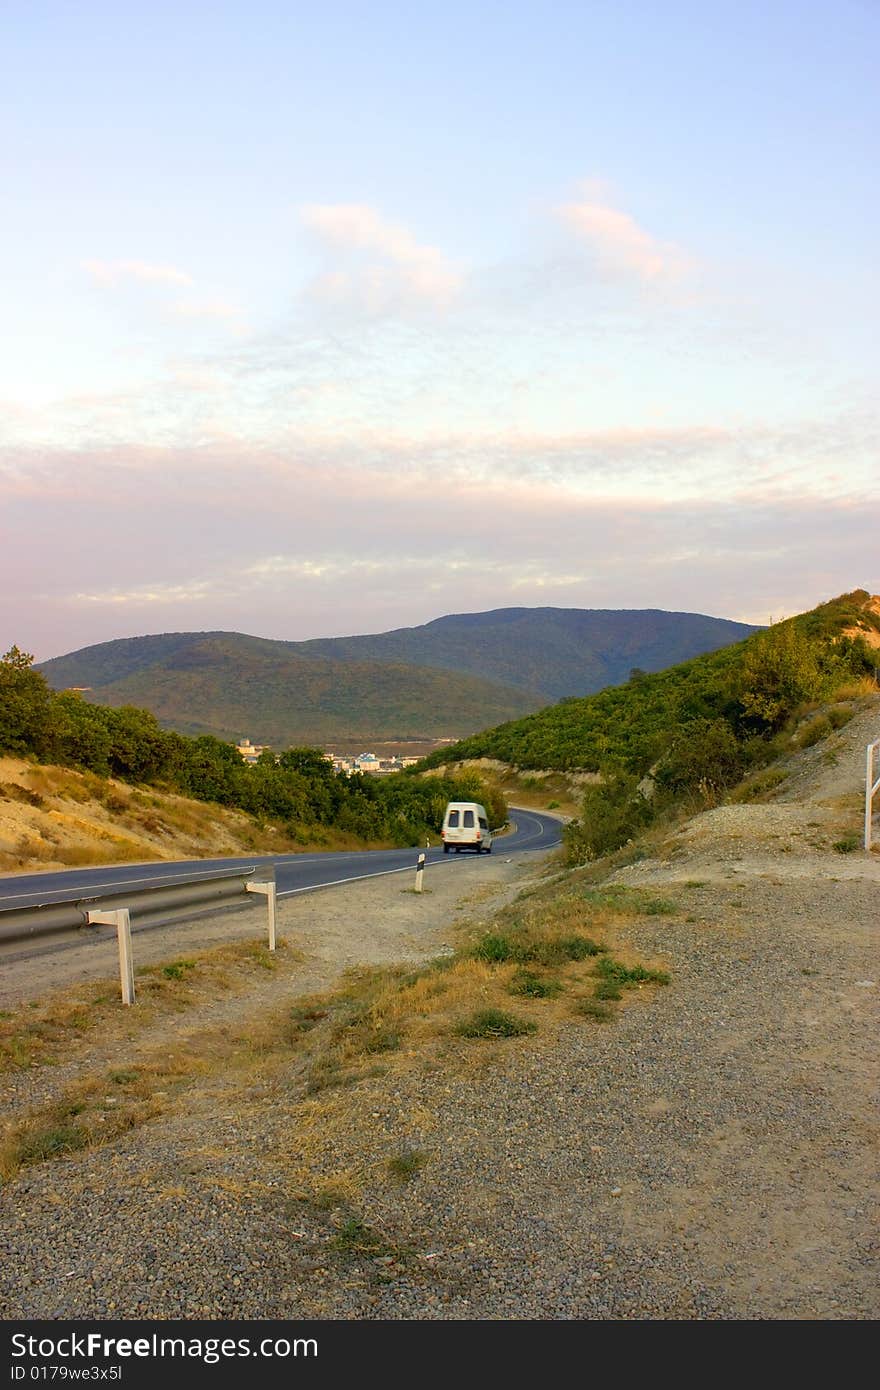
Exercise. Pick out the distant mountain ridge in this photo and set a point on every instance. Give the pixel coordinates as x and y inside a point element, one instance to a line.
<point>448,678</point>
<point>551,652</point>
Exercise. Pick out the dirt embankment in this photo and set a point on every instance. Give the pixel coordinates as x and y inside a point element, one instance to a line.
<point>58,818</point>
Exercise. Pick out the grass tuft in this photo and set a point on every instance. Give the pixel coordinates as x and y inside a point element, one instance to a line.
<point>532,986</point>
<point>494,1023</point>
<point>178,969</point>
<point>847,843</point>
<point>594,1008</point>
<point>626,976</point>
<point>406,1164</point>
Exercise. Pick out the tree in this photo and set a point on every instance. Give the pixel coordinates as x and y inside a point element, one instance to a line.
<point>780,670</point>
<point>705,757</point>
<point>25,701</point>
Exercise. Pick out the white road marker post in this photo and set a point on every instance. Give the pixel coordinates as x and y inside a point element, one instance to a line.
<point>420,869</point>
<point>871,789</point>
<point>121,920</point>
<point>268,892</point>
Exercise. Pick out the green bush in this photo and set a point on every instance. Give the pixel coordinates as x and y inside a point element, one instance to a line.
<point>847,843</point>
<point>534,986</point>
<point>706,758</point>
<point>494,1023</point>
<point>612,812</point>
<point>625,976</point>
<point>495,949</point>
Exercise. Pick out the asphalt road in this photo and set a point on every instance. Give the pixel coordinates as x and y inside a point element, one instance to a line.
<point>294,873</point>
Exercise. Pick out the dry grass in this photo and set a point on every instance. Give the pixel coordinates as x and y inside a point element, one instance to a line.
<point>856,690</point>
<point>325,1058</point>
<point>66,1021</point>
<point>94,1111</point>
<point>55,817</point>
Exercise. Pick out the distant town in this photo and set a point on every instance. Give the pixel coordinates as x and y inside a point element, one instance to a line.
<point>351,763</point>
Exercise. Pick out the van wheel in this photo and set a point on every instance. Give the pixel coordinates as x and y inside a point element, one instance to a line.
<point>479,849</point>
<point>445,849</point>
<point>456,849</point>
<point>488,849</point>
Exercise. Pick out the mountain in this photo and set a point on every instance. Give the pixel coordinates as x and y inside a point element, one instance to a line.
<point>447,678</point>
<point>234,686</point>
<point>550,652</point>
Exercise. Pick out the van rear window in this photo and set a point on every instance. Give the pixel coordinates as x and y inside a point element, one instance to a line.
<point>453,820</point>
<point>469,819</point>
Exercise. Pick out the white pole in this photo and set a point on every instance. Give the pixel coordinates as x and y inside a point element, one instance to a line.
<point>121,920</point>
<point>268,892</point>
<point>872,787</point>
<point>420,869</point>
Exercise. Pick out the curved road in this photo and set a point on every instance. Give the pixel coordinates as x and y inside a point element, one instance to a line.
<point>294,873</point>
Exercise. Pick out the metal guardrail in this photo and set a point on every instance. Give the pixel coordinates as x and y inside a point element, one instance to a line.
<point>147,904</point>
<point>871,788</point>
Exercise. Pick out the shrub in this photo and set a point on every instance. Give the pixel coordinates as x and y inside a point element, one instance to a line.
<point>817,728</point>
<point>759,785</point>
<point>839,715</point>
<point>612,812</point>
<point>625,976</point>
<point>579,947</point>
<point>494,1023</point>
<point>178,969</point>
<point>705,758</point>
<point>495,949</point>
<point>847,843</point>
<point>534,986</point>
<point>658,907</point>
<point>595,1008</point>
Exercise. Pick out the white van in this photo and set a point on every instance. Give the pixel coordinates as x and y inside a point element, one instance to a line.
<point>466,826</point>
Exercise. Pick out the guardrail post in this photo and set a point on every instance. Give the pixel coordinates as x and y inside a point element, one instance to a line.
<point>268,892</point>
<point>121,920</point>
<point>420,869</point>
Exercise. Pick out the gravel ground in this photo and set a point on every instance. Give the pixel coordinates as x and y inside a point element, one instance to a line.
<point>712,1153</point>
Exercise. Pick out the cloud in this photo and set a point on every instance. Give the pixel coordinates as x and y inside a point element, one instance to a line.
<point>205,308</point>
<point>389,264</point>
<point>112,272</point>
<point>617,242</point>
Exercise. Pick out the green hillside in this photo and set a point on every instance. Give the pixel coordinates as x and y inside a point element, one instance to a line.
<point>721,705</point>
<point>232,685</point>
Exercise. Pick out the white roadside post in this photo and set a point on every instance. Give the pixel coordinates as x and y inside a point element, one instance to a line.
<point>268,892</point>
<point>871,789</point>
<point>121,920</point>
<point>420,869</point>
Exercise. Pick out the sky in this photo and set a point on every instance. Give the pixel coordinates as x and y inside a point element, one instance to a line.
<point>329,319</point>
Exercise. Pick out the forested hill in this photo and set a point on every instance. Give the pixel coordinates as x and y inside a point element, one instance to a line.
<point>232,685</point>
<point>448,678</point>
<point>551,652</point>
<point>714,710</point>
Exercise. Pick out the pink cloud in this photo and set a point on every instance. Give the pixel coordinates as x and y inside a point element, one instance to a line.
<point>617,241</point>
<point>393,264</point>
